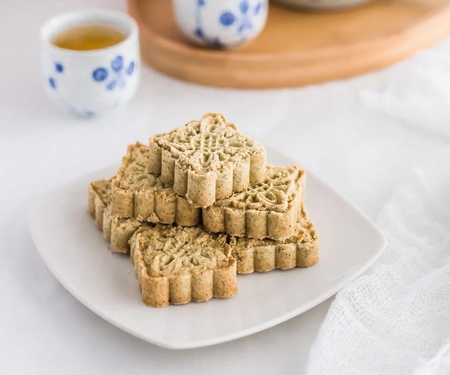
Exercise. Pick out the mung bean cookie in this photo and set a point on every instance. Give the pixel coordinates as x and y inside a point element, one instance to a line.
<point>299,250</point>
<point>99,196</point>
<point>176,265</point>
<point>268,209</point>
<point>139,194</point>
<point>116,230</point>
<point>207,160</point>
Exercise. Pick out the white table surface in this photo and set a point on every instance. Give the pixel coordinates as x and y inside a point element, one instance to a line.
<point>362,153</point>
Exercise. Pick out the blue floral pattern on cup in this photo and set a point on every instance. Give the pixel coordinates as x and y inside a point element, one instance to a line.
<point>52,81</point>
<point>115,77</point>
<point>240,20</point>
<point>59,68</point>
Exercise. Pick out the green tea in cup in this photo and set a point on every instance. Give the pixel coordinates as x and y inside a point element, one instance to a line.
<point>87,37</point>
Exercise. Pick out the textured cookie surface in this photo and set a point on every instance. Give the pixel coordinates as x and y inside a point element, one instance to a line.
<point>116,230</point>
<point>299,250</point>
<point>137,193</point>
<point>178,264</point>
<point>268,209</point>
<point>99,196</point>
<point>207,160</point>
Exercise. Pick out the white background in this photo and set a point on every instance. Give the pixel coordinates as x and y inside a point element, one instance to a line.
<point>343,131</point>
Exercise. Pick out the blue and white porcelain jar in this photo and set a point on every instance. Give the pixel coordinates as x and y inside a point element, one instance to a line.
<point>91,82</point>
<point>221,23</point>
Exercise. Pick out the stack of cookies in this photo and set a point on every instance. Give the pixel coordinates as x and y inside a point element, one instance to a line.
<point>199,205</point>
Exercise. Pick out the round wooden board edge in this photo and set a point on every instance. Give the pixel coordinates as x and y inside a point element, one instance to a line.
<point>207,67</point>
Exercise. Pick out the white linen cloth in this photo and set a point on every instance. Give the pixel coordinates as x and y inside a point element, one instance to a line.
<point>396,318</point>
<point>417,93</point>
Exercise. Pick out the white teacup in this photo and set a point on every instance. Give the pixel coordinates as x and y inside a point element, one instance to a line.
<point>91,82</point>
<point>221,23</point>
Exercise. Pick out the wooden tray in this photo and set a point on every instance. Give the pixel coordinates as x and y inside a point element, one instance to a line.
<point>296,48</point>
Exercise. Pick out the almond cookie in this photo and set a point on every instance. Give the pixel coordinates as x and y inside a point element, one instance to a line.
<point>177,265</point>
<point>139,194</point>
<point>207,160</point>
<point>266,210</point>
<point>299,250</point>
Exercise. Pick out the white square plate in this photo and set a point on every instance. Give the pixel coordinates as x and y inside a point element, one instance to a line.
<point>75,251</point>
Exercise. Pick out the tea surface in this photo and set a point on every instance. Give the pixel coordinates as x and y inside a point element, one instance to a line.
<point>89,37</point>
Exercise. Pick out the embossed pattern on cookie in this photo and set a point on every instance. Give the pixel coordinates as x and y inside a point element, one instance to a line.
<point>137,193</point>
<point>207,160</point>
<point>266,210</point>
<point>299,250</point>
<point>176,265</point>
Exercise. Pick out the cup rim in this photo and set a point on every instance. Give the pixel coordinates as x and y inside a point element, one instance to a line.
<point>76,17</point>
